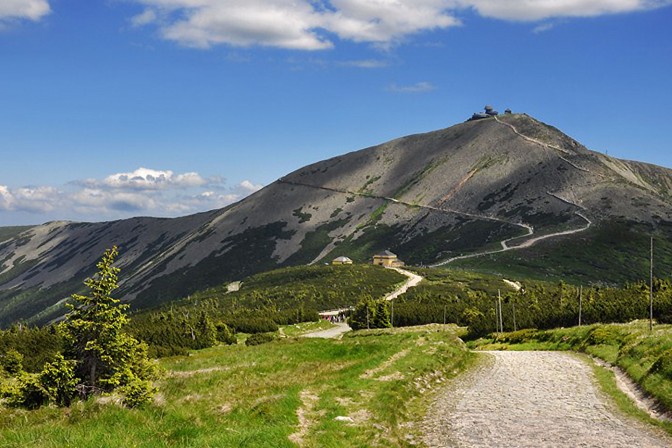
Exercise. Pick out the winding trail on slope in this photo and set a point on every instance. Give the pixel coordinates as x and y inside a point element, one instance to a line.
<point>533,399</point>
<point>413,280</point>
<point>529,230</point>
<point>525,244</point>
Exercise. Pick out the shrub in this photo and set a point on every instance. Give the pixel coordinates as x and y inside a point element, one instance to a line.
<point>520,336</point>
<point>260,338</point>
<point>12,361</point>
<point>59,381</point>
<point>608,335</point>
<point>136,392</point>
<point>254,325</point>
<point>225,335</point>
<point>478,324</point>
<point>663,365</point>
<point>28,392</point>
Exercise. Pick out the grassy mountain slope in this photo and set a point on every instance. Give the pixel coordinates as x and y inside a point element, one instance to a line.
<point>271,395</point>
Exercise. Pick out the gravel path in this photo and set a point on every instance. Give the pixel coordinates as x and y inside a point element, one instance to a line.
<point>533,399</point>
<point>413,280</point>
<point>331,333</point>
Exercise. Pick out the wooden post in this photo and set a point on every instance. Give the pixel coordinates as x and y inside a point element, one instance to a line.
<point>580,303</point>
<point>651,289</point>
<point>513,304</point>
<point>444,314</point>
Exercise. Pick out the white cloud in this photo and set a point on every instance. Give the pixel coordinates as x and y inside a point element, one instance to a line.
<point>29,199</point>
<point>140,192</point>
<point>534,10</point>
<point>24,9</point>
<point>148,179</point>
<point>145,18</point>
<point>542,28</point>
<point>420,87</point>
<point>387,21</point>
<point>365,63</point>
<point>316,24</point>
<point>273,23</point>
<point>248,187</point>
<point>299,24</point>
<point>6,198</point>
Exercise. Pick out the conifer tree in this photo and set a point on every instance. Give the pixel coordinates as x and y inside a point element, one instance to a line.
<point>207,332</point>
<point>107,358</point>
<point>382,317</point>
<point>363,315</point>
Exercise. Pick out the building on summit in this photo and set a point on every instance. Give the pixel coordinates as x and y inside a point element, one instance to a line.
<point>489,112</point>
<point>341,260</point>
<point>387,259</point>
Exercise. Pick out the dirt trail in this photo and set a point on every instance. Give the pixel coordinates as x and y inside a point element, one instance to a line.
<point>527,243</point>
<point>331,333</point>
<point>533,399</point>
<point>413,280</point>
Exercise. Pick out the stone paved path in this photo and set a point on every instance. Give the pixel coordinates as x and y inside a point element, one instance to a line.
<point>533,399</point>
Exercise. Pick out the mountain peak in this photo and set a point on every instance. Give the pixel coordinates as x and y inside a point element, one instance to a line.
<point>477,191</point>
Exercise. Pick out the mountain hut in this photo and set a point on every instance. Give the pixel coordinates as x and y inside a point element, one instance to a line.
<point>387,259</point>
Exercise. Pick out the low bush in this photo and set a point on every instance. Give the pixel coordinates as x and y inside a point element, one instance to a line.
<point>253,325</point>
<point>225,334</point>
<point>259,338</point>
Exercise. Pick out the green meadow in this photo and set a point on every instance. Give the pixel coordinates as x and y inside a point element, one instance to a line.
<point>368,389</point>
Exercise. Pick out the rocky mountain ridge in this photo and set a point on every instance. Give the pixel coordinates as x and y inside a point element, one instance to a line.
<point>474,188</point>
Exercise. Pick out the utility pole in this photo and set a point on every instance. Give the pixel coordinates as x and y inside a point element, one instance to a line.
<point>580,302</point>
<point>444,314</point>
<point>501,321</point>
<point>513,304</point>
<point>651,289</point>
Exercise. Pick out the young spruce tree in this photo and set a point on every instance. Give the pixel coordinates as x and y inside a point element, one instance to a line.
<point>107,358</point>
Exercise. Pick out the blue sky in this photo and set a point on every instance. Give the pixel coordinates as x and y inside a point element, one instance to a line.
<point>118,108</point>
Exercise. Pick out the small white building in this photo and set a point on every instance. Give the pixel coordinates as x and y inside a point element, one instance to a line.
<point>342,260</point>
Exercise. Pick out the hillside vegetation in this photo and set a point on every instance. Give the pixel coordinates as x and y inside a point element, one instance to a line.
<point>471,299</point>
<point>271,395</point>
<point>293,295</point>
<point>264,301</point>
